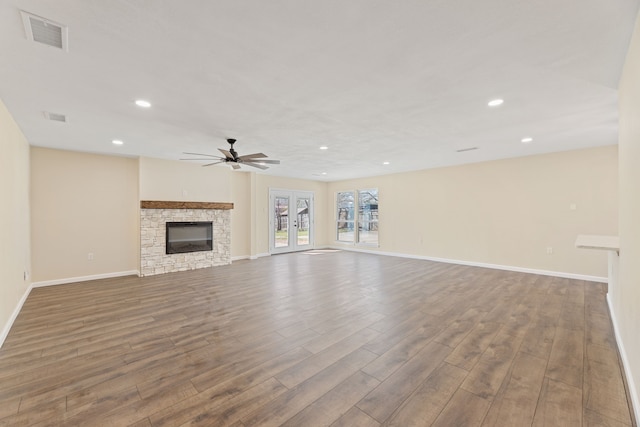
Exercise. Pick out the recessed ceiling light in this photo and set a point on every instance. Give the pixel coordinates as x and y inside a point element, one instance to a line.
<point>526,140</point>
<point>385,163</point>
<point>142,103</point>
<point>324,173</point>
<point>117,142</point>
<point>324,147</point>
<point>495,102</point>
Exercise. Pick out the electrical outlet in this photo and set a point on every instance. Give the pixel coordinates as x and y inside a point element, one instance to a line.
<point>549,250</point>
<point>90,256</point>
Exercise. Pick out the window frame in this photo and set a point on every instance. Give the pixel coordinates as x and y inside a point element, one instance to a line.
<point>346,220</point>
<point>357,220</point>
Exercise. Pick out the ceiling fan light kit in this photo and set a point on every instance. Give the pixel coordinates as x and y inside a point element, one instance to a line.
<point>256,160</point>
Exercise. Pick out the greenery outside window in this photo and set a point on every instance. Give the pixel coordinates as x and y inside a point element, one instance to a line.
<point>357,217</point>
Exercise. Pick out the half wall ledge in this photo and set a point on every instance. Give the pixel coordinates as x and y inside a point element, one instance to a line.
<point>159,204</point>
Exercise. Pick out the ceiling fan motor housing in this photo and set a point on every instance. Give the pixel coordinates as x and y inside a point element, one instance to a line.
<point>233,152</point>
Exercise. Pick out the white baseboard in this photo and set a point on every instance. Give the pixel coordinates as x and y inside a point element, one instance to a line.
<point>633,390</point>
<point>480,264</point>
<point>84,278</point>
<point>14,315</point>
<point>251,257</point>
<point>238,258</point>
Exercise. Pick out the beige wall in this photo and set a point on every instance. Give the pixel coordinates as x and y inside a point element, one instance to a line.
<point>241,214</point>
<point>625,299</point>
<point>179,180</point>
<point>81,204</point>
<point>261,199</point>
<point>504,212</point>
<point>14,216</point>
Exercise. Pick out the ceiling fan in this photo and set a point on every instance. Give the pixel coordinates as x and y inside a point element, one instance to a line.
<point>256,160</point>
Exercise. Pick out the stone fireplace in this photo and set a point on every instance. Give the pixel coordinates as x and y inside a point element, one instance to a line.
<point>154,216</point>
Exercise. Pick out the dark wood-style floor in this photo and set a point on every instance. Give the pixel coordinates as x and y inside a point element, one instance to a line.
<point>316,339</point>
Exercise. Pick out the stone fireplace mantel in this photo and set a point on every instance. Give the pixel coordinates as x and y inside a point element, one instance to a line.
<point>153,218</point>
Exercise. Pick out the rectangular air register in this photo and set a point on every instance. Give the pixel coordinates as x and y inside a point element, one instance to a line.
<point>55,117</point>
<point>45,31</point>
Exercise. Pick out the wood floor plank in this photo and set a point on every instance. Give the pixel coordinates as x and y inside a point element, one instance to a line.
<point>225,389</point>
<point>41,413</point>
<point>337,338</point>
<point>517,405</point>
<point>425,404</point>
<point>604,387</point>
<point>487,375</point>
<point>594,419</point>
<point>319,361</point>
<point>400,353</point>
<point>599,331</point>
<point>90,412</point>
<point>335,403</point>
<point>295,400</point>
<point>382,401</point>
<point>559,404</point>
<point>459,328</point>
<point>142,423</point>
<point>566,361</point>
<point>355,418</point>
<point>418,324</point>
<point>468,352</point>
<point>538,339</point>
<point>330,338</point>
<point>232,410</point>
<point>9,406</point>
<point>475,408</point>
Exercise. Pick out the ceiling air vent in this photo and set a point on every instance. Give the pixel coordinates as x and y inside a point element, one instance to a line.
<point>462,150</point>
<point>45,31</point>
<point>55,117</point>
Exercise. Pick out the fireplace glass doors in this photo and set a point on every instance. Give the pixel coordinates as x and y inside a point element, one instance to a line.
<point>189,237</point>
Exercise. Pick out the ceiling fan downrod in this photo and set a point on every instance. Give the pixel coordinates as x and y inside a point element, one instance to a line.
<point>232,141</point>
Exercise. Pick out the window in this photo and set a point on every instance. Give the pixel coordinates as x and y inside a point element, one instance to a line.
<point>359,226</point>
<point>346,220</point>
<point>368,216</point>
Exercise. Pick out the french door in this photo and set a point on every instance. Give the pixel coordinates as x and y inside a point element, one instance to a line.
<point>290,221</point>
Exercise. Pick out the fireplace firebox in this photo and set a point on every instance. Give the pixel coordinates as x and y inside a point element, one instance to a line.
<point>189,237</point>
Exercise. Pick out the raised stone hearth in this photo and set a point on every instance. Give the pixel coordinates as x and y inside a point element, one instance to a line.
<point>153,218</point>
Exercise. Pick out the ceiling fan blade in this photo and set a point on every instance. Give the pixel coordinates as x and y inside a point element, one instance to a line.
<point>226,153</point>
<point>220,158</point>
<point>200,154</point>
<point>235,166</point>
<point>253,156</point>
<point>214,163</point>
<point>255,165</point>
<point>271,162</point>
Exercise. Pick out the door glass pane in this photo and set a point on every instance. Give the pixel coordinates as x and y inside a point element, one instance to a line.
<point>368,216</point>
<point>281,222</point>
<point>346,220</point>
<point>303,221</point>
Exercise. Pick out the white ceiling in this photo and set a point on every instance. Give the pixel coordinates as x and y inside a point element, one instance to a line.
<point>375,80</point>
